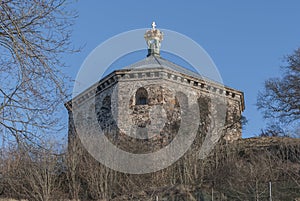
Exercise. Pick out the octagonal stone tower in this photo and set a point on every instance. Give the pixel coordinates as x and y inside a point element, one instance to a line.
<point>142,104</point>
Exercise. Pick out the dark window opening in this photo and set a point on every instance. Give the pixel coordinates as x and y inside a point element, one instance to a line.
<point>141,97</point>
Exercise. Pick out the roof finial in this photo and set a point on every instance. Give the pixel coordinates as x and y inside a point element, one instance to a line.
<point>153,38</point>
<point>153,25</point>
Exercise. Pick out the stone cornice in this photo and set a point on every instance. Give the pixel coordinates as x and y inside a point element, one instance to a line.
<point>204,85</point>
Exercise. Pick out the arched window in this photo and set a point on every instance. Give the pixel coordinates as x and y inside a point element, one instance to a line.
<point>141,96</point>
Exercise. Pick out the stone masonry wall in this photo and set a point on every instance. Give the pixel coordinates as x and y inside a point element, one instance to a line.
<point>146,128</point>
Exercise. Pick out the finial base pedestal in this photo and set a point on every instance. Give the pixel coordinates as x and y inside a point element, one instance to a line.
<point>153,52</point>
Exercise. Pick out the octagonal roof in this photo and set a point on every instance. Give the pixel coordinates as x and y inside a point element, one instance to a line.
<point>159,62</point>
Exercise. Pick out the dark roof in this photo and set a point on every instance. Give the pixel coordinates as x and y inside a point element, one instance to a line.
<point>158,62</point>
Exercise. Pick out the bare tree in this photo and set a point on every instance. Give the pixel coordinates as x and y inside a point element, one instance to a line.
<point>272,130</point>
<point>280,100</point>
<point>34,35</point>
<point>245,169</point>
<point>74,163</point>
<point>34,175</point>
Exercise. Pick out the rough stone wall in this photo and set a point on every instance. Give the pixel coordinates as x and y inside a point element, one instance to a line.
<point>152,125</point>
<point>233,121</point>
<point>146,128</point>
<point>162,96</point>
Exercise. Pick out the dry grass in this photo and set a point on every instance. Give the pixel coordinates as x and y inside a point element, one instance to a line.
<point>7,199</point>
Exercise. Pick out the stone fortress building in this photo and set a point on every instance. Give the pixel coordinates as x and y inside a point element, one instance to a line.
<point>140,104</point>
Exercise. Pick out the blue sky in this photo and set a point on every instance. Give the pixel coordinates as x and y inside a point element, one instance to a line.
<point>247,40</point>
